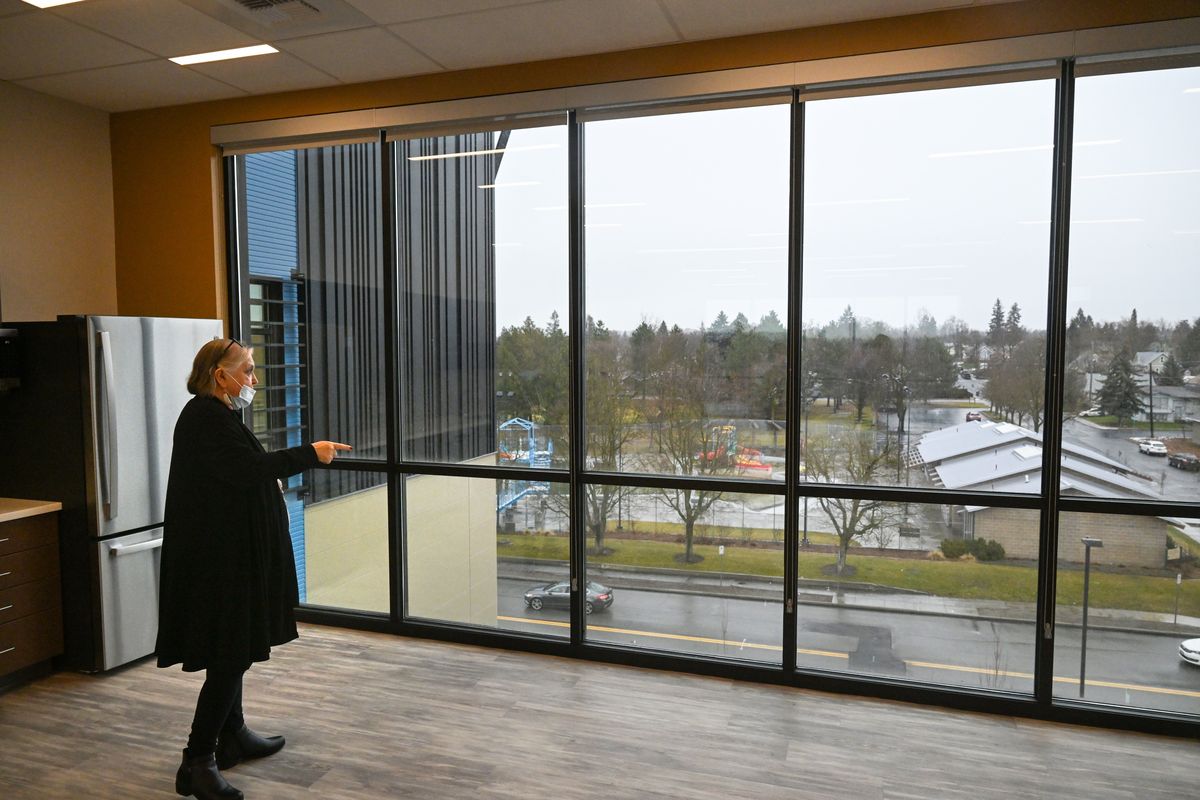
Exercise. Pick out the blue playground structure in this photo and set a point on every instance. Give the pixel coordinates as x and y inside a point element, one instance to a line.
<point>518,444</point>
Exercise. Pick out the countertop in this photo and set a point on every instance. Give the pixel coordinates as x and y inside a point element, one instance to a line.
<point>12,508</point>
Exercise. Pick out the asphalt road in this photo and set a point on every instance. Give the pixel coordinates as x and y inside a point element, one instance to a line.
<point>1126,668</point>
<point>1175,484</point>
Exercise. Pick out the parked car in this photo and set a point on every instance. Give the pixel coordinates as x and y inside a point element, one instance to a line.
<point>1184,461</point>
<point>558,595</point>
<point>1094,411</point>
<point>974,416</point>
<point>1152,447</point>
<point>1189,651</point>
<point>965,375</point>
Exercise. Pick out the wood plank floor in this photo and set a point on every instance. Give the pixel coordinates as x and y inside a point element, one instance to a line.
<point>372,715</point>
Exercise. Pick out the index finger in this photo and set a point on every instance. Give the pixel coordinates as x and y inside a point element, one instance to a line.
<point>340,446</point>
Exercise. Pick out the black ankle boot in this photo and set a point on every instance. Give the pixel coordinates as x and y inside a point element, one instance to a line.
<point>198,775</point>
<point>244,744</point>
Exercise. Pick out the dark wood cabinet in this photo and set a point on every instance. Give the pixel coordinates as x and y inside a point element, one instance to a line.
<point>30,593</point>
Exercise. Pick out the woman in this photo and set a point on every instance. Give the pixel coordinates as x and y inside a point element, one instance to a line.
<point>228,579</point>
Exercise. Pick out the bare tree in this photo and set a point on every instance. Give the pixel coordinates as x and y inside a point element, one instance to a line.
<point>687,442</point>
<point>609,422</point>
<point>849,457</point>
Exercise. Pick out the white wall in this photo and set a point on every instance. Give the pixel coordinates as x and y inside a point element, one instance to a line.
<point>57,241</point>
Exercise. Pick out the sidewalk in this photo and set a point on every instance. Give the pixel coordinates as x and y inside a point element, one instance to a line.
<point>861,596</point>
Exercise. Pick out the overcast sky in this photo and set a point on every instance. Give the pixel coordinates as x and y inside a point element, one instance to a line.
<point>935,200</point>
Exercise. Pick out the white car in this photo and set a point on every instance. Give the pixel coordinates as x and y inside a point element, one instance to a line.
<point>1152,447</point>
<point>1189,651</point>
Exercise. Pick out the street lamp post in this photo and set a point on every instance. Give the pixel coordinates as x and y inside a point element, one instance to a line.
<point>1088,543</point>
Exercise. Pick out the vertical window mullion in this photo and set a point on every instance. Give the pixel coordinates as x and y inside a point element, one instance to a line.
<point>1056,323</point>
<point>794,369</point>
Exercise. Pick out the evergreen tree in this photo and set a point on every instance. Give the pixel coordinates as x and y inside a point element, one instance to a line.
<point>1079,333</point>
<point>1172,372</point>
<point>995,334</point>
<point>720,324</point>
<point>1013,332</point>
<point>1189,347</point>
<point>847,323</point>
<point>926,324</point>
<point>1120,396</point>
<point>641,351</point>
<point>770,324</point>
<point>740,323</point>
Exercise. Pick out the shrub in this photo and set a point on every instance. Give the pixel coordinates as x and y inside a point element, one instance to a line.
<point>968,558</point>
<point>987,550</point>
<point>977,549</point>
<point>953,548</point>
<point>935,555</point>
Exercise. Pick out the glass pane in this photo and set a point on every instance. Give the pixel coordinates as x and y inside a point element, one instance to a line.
<point>933,593</point>
<point>686,231</point>
<point>339,525</point>
<point>482,259</point>
<point>687,571</point>
<point>926,247</point>
<point>487,553</point>
<point>1127,628</point>
<point>339,246</point>
<point>1132,398</point>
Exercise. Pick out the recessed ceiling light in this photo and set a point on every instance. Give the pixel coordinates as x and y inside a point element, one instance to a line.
<point>223,55</point>
<point>51,3</point>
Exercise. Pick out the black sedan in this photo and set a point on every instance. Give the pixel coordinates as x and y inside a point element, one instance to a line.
<point>558,595</point>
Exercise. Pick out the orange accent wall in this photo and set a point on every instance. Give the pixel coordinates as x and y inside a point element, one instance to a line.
<point>166,175</point>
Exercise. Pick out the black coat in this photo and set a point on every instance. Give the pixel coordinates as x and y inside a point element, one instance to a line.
<point>227,587</point>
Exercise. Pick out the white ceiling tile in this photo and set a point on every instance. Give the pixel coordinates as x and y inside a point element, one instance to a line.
<point>163,27</point>
<point>270,22</point>
<point>534,32</point>
<point>274,72</point>
<point>132,86</point>
<point>385,12</point>
<point>368,54</point>
<point>711,19</point>
<point>45,44</point>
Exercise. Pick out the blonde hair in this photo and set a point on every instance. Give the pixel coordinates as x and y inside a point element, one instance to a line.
<point>218,353</point>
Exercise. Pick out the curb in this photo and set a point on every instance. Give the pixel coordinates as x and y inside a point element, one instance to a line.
<point>770,596</point>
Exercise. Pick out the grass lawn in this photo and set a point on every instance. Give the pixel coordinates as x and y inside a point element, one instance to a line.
<point>731,533</point>
<point>963,579</point>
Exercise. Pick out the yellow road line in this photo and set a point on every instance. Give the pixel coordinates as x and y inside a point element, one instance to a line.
<point>1132,687</point>
<point>675,636</point>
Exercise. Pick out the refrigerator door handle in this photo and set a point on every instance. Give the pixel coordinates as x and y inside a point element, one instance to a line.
<point>130,549</point>
<point>109,476</point>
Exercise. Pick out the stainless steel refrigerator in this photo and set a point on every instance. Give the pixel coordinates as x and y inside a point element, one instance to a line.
<point>91,426</point>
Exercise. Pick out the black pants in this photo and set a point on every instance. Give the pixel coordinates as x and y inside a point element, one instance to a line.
<point>218,710</point>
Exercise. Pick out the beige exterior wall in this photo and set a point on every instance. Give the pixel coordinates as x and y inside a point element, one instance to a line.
<point>346,551</point>
<point>57,241</point>
<point>1128,541</point>
<point>452,548</point>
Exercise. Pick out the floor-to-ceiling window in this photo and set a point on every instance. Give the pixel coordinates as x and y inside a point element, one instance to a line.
<point>481,264</point>
<point>1127,593</point>
<point>813,337</point>
<point>925,271</point>
<point>686,254</point>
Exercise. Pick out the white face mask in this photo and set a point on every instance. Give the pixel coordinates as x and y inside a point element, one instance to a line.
<point>244,398</point>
